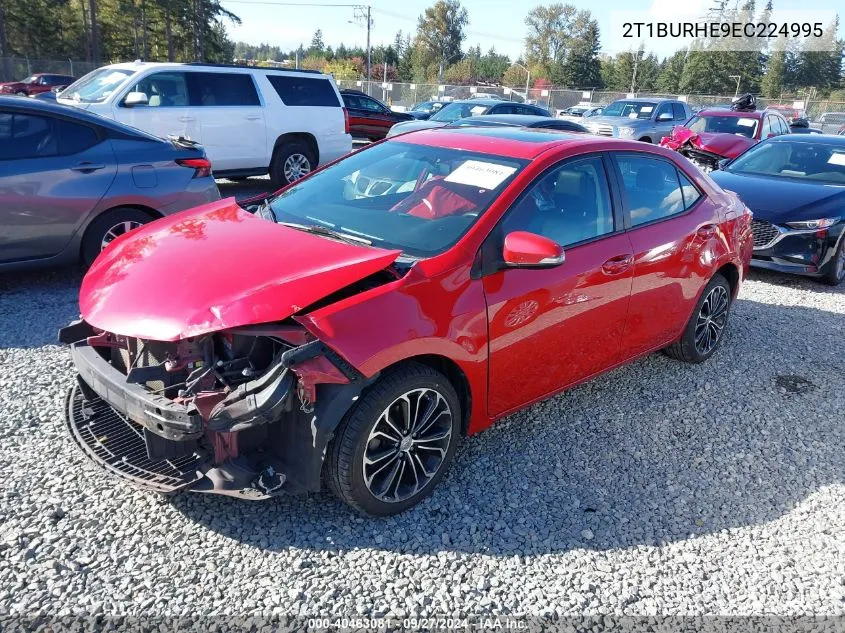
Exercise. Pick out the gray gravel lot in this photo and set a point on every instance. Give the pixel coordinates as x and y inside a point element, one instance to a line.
<point>659,488</point>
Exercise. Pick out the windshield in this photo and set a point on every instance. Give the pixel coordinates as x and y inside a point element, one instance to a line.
<point>414,198</point>
<point>96,86</point>
<point>741,126</point>
<point>576,111</point>
<point>29,80</point>
<point>630,109</point>
<point>803,160</point>
<point>423,107</point>
<point>455,111</point>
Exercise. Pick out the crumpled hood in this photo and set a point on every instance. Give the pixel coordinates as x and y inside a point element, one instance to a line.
<point>216,267</point>
<point>724,145</point>
<point>12,85</point>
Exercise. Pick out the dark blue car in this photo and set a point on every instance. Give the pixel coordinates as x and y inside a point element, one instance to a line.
<point>795,186</point>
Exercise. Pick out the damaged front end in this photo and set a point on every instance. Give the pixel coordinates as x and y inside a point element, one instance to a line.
<point>247,411</point>
<point>705,150</point>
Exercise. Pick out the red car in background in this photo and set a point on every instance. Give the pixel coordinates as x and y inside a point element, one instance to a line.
<point>398,299</point>
<point>715,134</point>
<point>36,84</point>
<point>369,118</point>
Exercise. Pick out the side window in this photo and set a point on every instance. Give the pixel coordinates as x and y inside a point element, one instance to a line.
<point>304,91</point>
<point>568,204</point>
<point>371,105</point>
<point>679,112</point>
<point>652,188</point>
<point>503,109</point>
<point>164,90</point>
<point>783,125</point>
<point>222,89</point>
<point>690,191</point>
<point>665,108</point>
<point>767,127</point>
<point>27,136</point>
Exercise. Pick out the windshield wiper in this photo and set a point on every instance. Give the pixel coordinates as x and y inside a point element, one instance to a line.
<point>318,229</point>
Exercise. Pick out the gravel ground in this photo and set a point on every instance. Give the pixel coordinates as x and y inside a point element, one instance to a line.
<point>659,488</point>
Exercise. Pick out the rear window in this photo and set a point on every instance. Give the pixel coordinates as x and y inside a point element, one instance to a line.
<point>222,89</point>
<point>304,91</point>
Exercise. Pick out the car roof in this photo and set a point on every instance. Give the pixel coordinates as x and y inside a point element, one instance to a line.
<point>512,142</point>
<point>753,114</point>
<point>648,99</point>
<point>518,120</point>
<point>486,102</point>
<point>138,66</point>
<point>825,139</point>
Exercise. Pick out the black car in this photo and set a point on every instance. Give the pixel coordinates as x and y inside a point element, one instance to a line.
<point>520,120</point>
<point>802,126</point>
<point>795,185</point>
<point>368,117</point>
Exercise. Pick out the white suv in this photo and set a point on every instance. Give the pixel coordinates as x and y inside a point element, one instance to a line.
<point>251,121</point>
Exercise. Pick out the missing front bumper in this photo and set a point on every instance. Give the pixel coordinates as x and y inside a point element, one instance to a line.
<point>118,444</point>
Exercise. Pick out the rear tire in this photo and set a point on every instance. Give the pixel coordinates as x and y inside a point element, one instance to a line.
<point>705,330</point>
<point>291,161</point>
<point>387,455</point>
<point>107,227</point>
<point>836,270</point>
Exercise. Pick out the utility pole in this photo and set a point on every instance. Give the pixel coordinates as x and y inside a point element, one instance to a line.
<point>5,71</point>
<point>369,50</point>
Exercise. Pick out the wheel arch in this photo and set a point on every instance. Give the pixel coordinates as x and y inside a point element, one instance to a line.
<point>454,374</point>
<point>305,137</point>
<point>154,215</point>
<point>730,272</point>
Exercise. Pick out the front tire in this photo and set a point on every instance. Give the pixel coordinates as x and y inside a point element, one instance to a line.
<point>107,227</point>
<point>390,452</point>
<point>836,269</point>
<point>291,161</point>
<point>705,330</point>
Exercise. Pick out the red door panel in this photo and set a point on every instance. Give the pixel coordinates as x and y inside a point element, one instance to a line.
<point>552,327</point>
<point>673,261</point>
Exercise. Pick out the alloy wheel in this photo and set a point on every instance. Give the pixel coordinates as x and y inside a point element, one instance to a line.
<point>712,318</point>
<point>296,166</point>
<point>407,445</point>
<point>117,230</point>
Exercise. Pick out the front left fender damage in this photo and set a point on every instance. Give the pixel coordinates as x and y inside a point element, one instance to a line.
<point>262,406</point>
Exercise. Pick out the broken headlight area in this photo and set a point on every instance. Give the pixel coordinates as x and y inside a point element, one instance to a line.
<point>232,412</point>
<point>705,161</point>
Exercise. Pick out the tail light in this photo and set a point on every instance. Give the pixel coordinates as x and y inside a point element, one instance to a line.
<point>345,121</point>
<point>201,166</point>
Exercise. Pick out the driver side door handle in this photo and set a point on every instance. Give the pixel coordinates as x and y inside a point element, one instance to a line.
<point>87,168</point>
<point>617,265</point>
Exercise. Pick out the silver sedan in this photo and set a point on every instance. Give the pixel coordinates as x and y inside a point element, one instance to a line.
<point>70,182</point>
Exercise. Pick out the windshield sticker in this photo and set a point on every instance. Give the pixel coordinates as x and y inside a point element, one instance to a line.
<point>836,159</point>
<point>480,174</point>
<point>478,110</point>
<point>646,109</point>
<point>746,122</point>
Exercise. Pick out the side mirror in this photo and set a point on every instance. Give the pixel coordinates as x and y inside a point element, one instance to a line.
<point>666,116</point>
<point>723,163</point>
<point>529,250</point>
<point>136,99</point>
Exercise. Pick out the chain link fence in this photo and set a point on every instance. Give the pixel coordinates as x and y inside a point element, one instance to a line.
<point>17,68</point>
<point>829,116</point>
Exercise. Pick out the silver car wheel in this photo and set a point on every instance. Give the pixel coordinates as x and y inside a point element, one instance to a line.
<point>407,445</point>
<point>117,230</point>
<point>712,319</point>
<point>296,166</point>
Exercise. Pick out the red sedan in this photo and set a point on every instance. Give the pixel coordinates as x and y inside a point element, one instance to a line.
<point>36,84</point>
<point>354,326</point>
